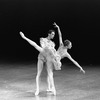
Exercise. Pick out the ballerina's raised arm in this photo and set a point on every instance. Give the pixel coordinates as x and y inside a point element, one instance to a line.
<point>59,33</point>
<point>64,47</point>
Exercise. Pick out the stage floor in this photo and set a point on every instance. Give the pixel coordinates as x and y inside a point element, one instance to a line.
<point>17,82</point>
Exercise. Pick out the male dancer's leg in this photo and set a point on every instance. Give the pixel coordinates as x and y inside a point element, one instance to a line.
<point>39,70</point>
<point>49,89</point>
<point>51,86</point>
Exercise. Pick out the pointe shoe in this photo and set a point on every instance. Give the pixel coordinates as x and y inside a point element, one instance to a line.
<point>54,92</point>
<point>36,93</point>
<point>49,90</point>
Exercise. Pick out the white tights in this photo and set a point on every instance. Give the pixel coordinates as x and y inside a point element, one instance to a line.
<point>50,80</point>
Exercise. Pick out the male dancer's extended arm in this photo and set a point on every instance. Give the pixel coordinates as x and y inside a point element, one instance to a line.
<point>59,33</point>
<point>31,42</point>
<point>81,69</point>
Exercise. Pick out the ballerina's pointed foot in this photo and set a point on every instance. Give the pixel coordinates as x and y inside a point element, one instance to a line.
<point>49,90</point>
<point>36,93</point>
<point>52,90</point>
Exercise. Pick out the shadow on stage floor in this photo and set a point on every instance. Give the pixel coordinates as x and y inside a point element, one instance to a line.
<point>17,82</point>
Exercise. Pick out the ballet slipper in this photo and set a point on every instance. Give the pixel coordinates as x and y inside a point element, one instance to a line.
<point>53,90</point>
<point>36,93</point>
<point>49,90</point>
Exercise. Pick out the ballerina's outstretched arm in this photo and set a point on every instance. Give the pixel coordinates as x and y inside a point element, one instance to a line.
<point>59,33</point>
<point>68,55</point>
<point>40,49</point>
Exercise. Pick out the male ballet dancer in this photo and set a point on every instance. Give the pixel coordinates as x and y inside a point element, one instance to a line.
<point>46,51</point>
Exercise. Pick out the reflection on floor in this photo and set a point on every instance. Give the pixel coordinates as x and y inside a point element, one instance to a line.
<point>17,82</point>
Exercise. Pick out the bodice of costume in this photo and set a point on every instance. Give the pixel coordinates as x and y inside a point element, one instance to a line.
<point>47,43</point>
<point>62,51</point>
<point>50,52</point>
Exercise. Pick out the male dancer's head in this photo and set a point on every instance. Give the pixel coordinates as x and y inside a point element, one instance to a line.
<point>51,34</point>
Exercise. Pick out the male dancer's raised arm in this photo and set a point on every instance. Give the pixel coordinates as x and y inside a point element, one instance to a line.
<point>31,42</point>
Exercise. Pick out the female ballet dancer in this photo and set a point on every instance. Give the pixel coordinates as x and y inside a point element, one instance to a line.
<point>46,55</point>
<point>62,52</point>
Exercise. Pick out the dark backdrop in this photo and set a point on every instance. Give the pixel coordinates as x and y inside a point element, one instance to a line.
<point>78,19</point>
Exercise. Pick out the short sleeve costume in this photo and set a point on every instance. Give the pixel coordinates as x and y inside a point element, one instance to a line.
<point>47,45</point>
<point>49,53</point>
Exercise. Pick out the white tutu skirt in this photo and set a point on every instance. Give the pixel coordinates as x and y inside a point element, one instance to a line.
<point>57,63</point>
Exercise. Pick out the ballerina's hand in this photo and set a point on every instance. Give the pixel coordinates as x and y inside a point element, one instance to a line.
<point>82,70</point>
<point>22,35</point>
<point>55,25</point>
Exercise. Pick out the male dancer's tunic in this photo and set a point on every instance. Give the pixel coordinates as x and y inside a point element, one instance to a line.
<point>49,54</point>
